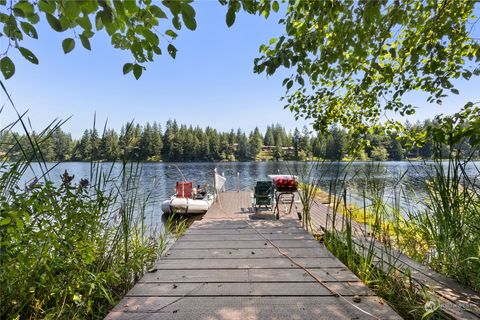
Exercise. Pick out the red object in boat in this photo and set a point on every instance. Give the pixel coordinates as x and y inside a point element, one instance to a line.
<point>285,183</point>
<point>184,189</point>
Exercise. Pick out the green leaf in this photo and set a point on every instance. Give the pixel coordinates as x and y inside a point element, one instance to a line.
<point>289,84</point>
<point>127,67</point>
<point>174,6</point>
<point>230,19</point>
<point>300,81</point>
<point>25,7</point>
<point>27,54</point>
<point>157,12</point>
<point>68,45</point>
<point>5,221</point>
<point>137,51</point>
<point>137,71</point>
<point>119,8</point>
<point>151,37</point>
<point>47,6</point>
<point>176,23</point>
<point>54,22</point>
<point>89,7</point>
<point>18,12</point>
<point>130,5</point>
<point>29,30</point>
<point>71,9</point>
<point>187,10</point>
<point>275,6</point>
<point>98,21</point>
<point>172,51</point>
<point>107,20</point>
<point>171,33</point>
<point>84,22</point>
<point>85,42</point>
<point>454,91</point>
<point>34,18</point>
<point>157,50</point>
<point>7,67</point>
<point>20,224</point>
<point>190,23</point>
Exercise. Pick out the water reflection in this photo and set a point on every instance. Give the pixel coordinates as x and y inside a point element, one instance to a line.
<point>159,178</point>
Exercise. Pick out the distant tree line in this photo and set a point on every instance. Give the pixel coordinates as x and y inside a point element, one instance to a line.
<point>177,143</point>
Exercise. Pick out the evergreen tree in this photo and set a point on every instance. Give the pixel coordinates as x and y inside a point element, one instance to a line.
<point>256,143</point>
<point>109,146</point>
<point>84,147</point>
<point>269,139</point>
<point>243,152</point>
<point>156,142</point>
<point>95,144</point>
<point>296,142</point>
<point>395,150</point>
<point>305,143</point>
<point>336,144</point>
<point>145,143</point>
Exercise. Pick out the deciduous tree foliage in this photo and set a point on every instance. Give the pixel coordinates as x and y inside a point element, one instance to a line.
<point>354,61</point>
<point>143,27</point>
<point>132,25</point>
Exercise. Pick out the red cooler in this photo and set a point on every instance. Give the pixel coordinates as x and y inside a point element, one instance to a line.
<point>285,183</point>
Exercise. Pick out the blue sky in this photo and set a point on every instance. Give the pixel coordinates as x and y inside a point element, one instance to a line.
<point>210,83</point>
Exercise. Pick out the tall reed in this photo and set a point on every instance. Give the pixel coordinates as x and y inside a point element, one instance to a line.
<point>364,237</point>
<point>449,222</point>
<point>70,250</point>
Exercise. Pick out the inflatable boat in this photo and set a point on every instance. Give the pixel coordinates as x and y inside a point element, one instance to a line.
<point>189,201</point>
<point>185,206</point>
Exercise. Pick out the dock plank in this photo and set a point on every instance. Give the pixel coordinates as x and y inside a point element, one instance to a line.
<point>251,236</point>
<point>285,230</point>
<point>249,308</point>
<point>245,244</point>
<point>319,252</point>
<point>251,263</point>
<point>248,289</point>
<point>249,275</point>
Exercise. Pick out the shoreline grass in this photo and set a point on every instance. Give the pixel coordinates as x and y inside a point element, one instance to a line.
<point>72,250</point>
<point>443,233</point>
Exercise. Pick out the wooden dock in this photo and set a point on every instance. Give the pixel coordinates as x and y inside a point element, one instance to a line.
<point>238,264</point>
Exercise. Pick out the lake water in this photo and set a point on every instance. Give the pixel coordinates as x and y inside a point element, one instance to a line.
<point>160,178</point>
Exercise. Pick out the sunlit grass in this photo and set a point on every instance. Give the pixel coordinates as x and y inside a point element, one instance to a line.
<point>71,250</point>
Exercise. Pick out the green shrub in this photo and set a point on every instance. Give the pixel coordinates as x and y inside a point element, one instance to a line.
<point>63,253</point>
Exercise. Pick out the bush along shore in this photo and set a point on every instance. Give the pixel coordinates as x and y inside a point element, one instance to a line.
<point>72,250</point>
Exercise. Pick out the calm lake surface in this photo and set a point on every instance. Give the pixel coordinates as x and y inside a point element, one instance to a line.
<point>159,178</point>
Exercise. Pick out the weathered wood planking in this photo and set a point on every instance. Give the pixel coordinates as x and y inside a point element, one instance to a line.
<point>249,308</point>
<point>227,268</point>
<point>249,289</point>
<point>246,263</point>
<point>231,205</point>
<point>235,253</point>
